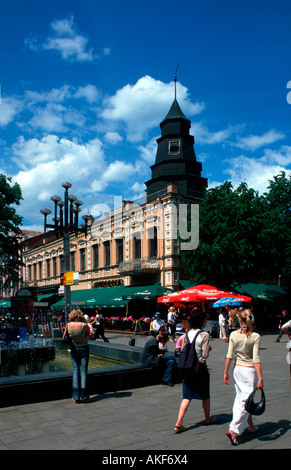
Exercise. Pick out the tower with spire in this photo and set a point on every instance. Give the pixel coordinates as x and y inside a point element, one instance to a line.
<point>176,161</point>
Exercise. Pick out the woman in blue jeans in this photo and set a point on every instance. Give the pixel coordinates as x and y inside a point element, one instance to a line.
<point>79,333</point>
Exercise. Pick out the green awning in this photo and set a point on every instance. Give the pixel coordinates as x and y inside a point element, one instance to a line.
<point>269,292</point>
<point>107,297</point>
<point>78,298</point>
<point>145,292</point>
<point>112,297</point>
<point>44,296</point>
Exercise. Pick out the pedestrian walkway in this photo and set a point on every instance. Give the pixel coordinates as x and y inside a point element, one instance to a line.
<point>144,418</point>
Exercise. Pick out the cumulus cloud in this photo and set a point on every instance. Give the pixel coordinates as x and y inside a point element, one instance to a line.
<point>70,129</point>
<point>68,42</point>
<point>52,111</point>
<point>117,171</point>
<point>113,137</point>
<point>46,162</point>
<point>142,106</point>
<point>257,172</point>
<point>89,93</point>
<point>65,40</point>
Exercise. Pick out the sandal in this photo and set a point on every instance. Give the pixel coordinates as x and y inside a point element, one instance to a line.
<point>232,437</point>
<point>253,429</point>
<point>179,429</point>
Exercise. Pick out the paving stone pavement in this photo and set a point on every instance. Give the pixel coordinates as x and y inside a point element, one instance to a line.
<point>143,419</point>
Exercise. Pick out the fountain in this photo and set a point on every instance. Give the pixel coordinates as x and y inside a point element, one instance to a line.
<point>25,376</point>
<point>22,354</point>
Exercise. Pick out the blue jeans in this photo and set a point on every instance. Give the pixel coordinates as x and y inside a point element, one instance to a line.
<point>80,359</point>
<point>169,363</point>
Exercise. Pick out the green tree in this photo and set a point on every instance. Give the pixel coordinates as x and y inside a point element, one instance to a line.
<point>10,257</point>
<point>242,236</point>
<point>279,224</point>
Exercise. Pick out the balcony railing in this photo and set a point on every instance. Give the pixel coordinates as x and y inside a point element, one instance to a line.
<point>141,264</point>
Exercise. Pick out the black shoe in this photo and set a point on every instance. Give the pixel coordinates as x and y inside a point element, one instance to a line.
<point>170,384</point>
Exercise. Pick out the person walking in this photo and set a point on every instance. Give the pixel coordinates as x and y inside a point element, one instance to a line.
<point>222,320</point>
<point>285,318</point>
<point>99,323</point>
<point>232,321</point>
<point>246,345</point>
<point>79,332</point>
<point>197,385</point>
<point>171,322</point>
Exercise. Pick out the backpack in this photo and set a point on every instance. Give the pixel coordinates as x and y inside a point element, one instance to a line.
<point>188,359</point>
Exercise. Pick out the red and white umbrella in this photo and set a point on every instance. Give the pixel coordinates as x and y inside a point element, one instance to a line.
<point>200,293</point>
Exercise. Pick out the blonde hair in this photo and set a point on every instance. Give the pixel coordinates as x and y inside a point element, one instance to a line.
<point>232,314</point>
<point>245,319</point>
<point>172,309</point>
<point>77,315</point>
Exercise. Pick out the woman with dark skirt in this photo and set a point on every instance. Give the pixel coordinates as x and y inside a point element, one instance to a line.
<point>197,385</point>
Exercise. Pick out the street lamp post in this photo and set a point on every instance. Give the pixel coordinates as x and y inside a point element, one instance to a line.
<point>66,221</point>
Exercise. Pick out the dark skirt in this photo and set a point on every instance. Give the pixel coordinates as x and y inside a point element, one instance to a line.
<point>197,386</point>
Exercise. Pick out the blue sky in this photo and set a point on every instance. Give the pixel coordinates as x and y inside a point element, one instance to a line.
<point>85,85</point>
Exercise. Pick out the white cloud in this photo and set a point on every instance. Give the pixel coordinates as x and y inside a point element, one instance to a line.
<point>253,142</point>
<point>89,92</point>
<point>113,137</point>
<point>66,40</point>
<point>55,95</point>
<point>257,172</point>
<point>49,119</point>
<point>148,151</point>
<point>204,136</point>
<point>144,105</point>
<point>47,162</point>
<point>138,191</point>
<point>9,108</point>
<point>117,171</point>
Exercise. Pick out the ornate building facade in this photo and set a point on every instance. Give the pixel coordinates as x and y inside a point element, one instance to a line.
<point>138,242</point>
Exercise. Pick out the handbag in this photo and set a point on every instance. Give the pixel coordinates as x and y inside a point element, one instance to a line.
<point>256,408</point>
<point>67,341</point>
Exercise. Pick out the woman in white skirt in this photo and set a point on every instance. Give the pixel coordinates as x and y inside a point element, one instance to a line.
<point>246,345</point>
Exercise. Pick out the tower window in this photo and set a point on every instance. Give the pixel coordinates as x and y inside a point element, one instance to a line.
<point>174,147</point>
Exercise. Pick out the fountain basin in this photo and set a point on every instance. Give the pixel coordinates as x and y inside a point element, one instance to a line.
<point>17,390</point>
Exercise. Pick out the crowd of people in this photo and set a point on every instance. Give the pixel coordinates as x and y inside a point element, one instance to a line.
<point>238,328</point>
<point>228,321</point>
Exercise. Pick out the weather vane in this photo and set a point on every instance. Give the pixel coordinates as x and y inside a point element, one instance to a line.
<point>175,80</point>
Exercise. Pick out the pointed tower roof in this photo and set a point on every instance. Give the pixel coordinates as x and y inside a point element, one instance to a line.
<point>175,112</point>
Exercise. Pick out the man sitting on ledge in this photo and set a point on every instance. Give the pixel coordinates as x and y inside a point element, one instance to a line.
<point>154,355</point>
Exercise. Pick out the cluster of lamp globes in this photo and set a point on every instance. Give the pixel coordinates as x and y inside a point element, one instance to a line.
<point>74,209</point>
